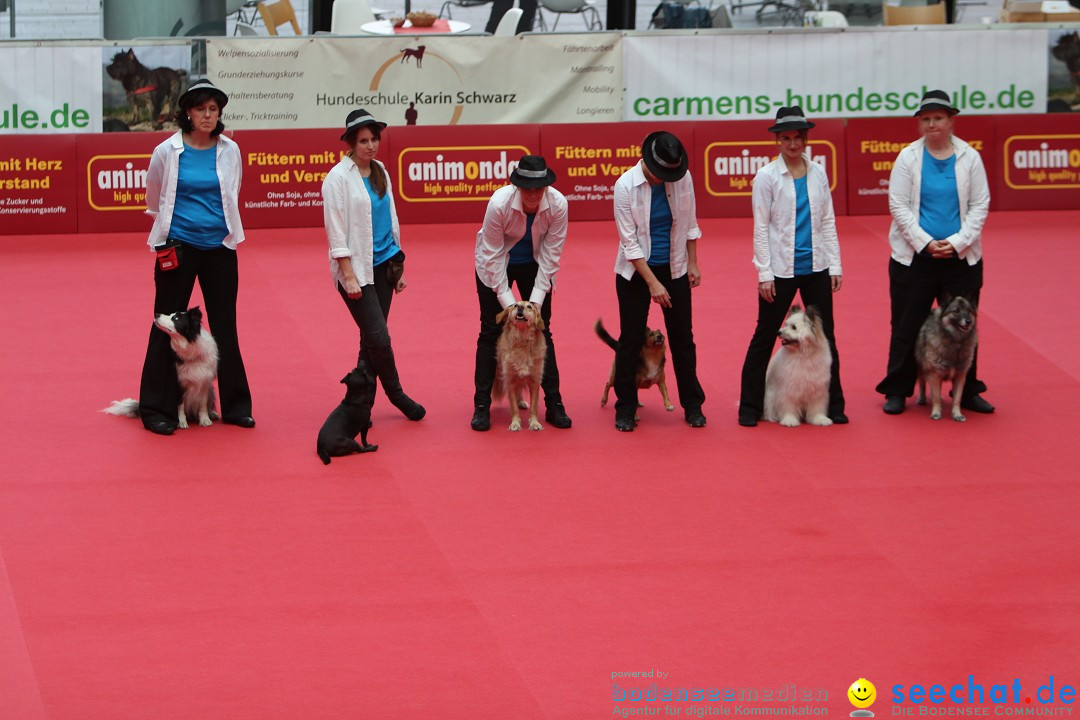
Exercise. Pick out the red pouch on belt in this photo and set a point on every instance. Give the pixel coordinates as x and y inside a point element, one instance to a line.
<point>168,256</point>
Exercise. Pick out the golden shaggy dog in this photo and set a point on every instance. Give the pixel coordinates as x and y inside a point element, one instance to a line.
<point>520,356</point>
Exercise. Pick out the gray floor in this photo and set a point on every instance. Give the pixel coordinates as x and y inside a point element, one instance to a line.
<point>76,19</point>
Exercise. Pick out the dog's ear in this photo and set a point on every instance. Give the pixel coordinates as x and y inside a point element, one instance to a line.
<point>196,315</point>
<point>539,320</point>
<point>795,309</point>
<point>502,315</point>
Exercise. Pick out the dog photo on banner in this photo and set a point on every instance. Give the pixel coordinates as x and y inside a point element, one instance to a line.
<point>141,86</point>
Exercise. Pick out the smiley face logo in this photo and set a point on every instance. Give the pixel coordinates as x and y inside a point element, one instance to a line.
<point>862,693</point>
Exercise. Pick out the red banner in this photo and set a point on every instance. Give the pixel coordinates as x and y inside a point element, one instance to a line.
<point>873,144</point>
<point>112,181</point>
<point>1040,162</point>
<point>283,174</point>
<point>37,184</point>
<point>447,174</point>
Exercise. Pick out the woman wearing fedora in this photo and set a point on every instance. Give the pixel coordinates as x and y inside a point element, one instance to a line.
<point>939,198</point>
<point>521,242</point>
<point>366,260</point>
<point>192,190</point>
<point>795,250</point>
<point>656,217</point>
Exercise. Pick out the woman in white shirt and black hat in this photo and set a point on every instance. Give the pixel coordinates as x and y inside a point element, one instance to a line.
<point>192,192</point>
<point>366,260</point>
<point>795,250</point>
<point>656,217</point>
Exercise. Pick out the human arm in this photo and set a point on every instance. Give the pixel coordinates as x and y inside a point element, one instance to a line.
<point>550,248</point>
<point>901,198</point>
<point>978,202</point>
<point>491,255</point>
<point>335,221</point>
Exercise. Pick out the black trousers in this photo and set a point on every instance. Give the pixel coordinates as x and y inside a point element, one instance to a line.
<point>499,8</point>
<point>218,276</point>
<point>370,312</point>
<point>634,302</point>
<point>912,291</point>
<point>815,289</point>
<point>484,375</point>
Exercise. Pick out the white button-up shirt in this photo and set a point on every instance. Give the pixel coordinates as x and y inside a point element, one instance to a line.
<point>504,227</point>
<point>633,205</point>
<point>161,181</point>
<point>906,237</point>
<point>774,221</point>
<point>347,219</point>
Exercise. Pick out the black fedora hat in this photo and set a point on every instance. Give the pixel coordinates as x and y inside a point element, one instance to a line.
<point>532,172</point>
<point>790,118</point>
<point>199,87</point>
<point>664,156</point>
<point>936,100</point>
<point>358,119</point>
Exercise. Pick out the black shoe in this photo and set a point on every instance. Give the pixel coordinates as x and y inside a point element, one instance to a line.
<point>975,403</point>
<point>408,407</point>
<point>838,418</point>
<point>894,405</point>
<point>748,420</point>
<point>556,416</point>
<point>695,419</point>
<point>481,418</point>
<point>625,424</point>
<point>160,427</point>
<point>245,422</point>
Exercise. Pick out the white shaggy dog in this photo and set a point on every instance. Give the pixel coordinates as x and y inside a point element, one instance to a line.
<point>797,380</point>
<point>196,368</point>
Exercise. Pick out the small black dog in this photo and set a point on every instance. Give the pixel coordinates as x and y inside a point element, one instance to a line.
<point>152,94</point>
<point>338,434</point>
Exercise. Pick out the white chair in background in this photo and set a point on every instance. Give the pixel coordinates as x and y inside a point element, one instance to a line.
<point>346,16</point>
<point>445,9</point>
<point>825,18</point>
<point>585,8</point>
<point>243,28</point>
<point>508,25</point>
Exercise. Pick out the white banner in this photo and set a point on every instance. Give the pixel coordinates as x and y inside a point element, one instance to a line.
<point>734,76</point>
<point>50,89</point>
<point>426,80</point>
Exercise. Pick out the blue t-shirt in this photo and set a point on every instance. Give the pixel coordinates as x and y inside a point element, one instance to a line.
<point>383,246</point>
<point>804,246</point>
<point>660,220</point>
<point>939,201</point>
<point>522,251</point>
<point>198,216</point>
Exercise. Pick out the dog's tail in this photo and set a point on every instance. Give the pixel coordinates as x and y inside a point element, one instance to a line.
<point>128,407</point>
<point>605,336</point>
<point>498,389</point>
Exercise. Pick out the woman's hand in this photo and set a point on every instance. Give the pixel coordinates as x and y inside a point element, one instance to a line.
<point>659,294</point>
<point>837,281</point>
<point>940,249</point>
<point>695,275</point>
<point>767,291</point>
<point>352,288</point>
<point>400,286</point>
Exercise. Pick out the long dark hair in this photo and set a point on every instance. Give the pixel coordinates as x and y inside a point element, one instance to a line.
<point>378,177</point>
<point>197,98</point>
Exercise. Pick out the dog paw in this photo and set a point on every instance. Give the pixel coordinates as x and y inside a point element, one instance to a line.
<point>182,424</point>
<point>368,448</point>
<point>936,415</point>
<point>205,422</point>
<point>515,426</point>
<point>535,425</point>
<point>959,418</point>
<point>820,421</point>
<point>522,405</point>
<point>920,400</point>
<point>669,408</point>
<point>789,421</point>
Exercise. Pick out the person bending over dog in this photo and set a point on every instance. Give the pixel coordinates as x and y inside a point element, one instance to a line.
<point>366,260</point>
<point>656,216</point>
<point>520,242</point>
<point>795,250</point>
<point>192,190</point>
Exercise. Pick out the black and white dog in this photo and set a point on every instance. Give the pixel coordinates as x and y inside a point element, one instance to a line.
<point>196,368</point>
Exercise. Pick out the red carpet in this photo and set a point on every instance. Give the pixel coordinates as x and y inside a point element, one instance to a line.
<point>226,573</point>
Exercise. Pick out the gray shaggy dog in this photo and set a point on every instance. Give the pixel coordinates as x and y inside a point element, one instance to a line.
<point>944,350</point>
